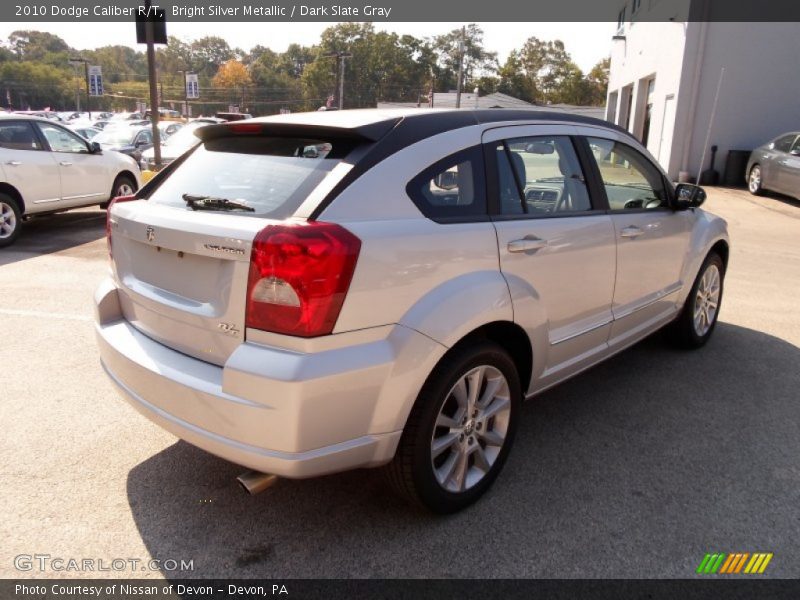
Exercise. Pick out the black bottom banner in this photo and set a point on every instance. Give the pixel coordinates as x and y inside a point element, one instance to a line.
<point>411,589</point>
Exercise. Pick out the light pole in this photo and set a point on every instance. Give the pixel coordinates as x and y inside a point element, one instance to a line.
<point>460,66</point>
<point>75,61</point>
<point>341,56</point>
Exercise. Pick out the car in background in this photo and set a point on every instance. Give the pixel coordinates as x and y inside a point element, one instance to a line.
<point>775,166</point>
<point>185,139</point>
<point>101,124</point>
<point>165,128</point>
<point>86,132</point>
<point>130,140</point>
<point>233,116</point>
<point>310,293</point>
<point>46,168</point>
<point>42,114</point>
<point>208,120</point>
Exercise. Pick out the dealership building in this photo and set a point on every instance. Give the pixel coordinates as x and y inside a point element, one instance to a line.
<point>682,88</point>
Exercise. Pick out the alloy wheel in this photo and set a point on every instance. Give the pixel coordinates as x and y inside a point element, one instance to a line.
<point>471,428</point>
<point>8,220</point>
<point>124,189</point>
<point>706,302</point>
<point>755,179</point>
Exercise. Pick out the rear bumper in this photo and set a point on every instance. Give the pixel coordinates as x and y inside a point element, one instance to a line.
<point>292,414</point>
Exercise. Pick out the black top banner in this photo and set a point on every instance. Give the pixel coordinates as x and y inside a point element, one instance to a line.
<point>405,10</point>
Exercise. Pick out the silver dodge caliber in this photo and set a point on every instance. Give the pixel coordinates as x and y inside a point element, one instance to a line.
<point>310,293</point>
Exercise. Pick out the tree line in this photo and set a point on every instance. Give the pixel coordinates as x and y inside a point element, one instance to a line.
<point>35,71</point>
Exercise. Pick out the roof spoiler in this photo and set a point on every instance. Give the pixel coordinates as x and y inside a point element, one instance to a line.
<point>371,132</point>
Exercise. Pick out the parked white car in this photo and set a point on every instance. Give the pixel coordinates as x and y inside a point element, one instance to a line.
<point>46,168</point>
<point>309,293</point>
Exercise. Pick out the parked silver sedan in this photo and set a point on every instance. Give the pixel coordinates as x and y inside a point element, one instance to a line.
<point>776,166</point>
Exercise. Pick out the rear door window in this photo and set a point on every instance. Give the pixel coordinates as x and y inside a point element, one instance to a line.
<point>271,175</point>
<point>18,135</point>
<point>541,176</point>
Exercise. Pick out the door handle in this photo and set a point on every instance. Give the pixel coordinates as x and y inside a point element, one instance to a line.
<point>631,232</point>
<point>65,163</point>
<point>13,163</point>
<point>526,244</point>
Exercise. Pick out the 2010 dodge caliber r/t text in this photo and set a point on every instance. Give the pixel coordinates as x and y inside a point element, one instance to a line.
<point>311,293</point>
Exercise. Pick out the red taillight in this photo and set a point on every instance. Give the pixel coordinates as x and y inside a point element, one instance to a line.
<point>108,216</point>
<point>299,276</point>
<point>246,127</point>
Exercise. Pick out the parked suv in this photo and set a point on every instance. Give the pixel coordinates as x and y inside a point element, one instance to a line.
<point>46,168</point>
<point>310,293</point>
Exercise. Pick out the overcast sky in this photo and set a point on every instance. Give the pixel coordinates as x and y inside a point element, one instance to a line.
<point>586,42</point>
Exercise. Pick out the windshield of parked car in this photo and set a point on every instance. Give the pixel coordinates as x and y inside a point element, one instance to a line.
<point>270,175</point>
<point>117,136</point>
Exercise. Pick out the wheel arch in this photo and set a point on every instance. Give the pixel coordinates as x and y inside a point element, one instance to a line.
<point>722,248</point>
<point>7,188</point>
<point>125,173</point>
<point>509,336</point>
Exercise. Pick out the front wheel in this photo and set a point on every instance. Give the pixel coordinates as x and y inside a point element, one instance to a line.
<point>10,220</point>
<point>460,430</point>
<point>697,320</point>
<point>124,185</point>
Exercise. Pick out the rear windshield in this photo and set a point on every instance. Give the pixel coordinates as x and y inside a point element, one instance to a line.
<point>271,175</point>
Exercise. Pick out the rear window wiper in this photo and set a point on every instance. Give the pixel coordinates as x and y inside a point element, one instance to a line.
<point>197,202</point>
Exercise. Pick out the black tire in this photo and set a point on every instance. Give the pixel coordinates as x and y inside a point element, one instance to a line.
<point>10,220</point>
<point>123,185</point>
<point>755,181</point>
<point>411,472</point>
<point>682,332</point>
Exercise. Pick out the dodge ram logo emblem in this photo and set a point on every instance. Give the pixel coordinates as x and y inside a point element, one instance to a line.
<point>150,233</point>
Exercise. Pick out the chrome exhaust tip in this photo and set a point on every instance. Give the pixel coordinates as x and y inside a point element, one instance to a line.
<point>254,482</point>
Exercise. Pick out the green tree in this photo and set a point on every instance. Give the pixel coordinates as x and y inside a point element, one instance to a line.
<point>35,85</point>
<point>477,61</point>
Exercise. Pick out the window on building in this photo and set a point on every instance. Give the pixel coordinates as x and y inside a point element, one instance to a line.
<point>621,18</point>
<point>611,111</point>
<point>648,111</point>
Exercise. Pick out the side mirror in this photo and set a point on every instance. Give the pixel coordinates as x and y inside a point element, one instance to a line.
<point>795,152</point>
<point>95,148</point>
<point>688,196</point>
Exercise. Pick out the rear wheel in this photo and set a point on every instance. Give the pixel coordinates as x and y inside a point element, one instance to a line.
<point>754,183</point>
<point>10,220</point>
<point>460,430</point>
<point>697,320</point>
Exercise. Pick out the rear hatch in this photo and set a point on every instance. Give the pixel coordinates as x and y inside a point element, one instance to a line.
<point>181,251</point>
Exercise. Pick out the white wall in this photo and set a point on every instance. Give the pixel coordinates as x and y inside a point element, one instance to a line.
<point>759,97</point>
<point>760,93</point>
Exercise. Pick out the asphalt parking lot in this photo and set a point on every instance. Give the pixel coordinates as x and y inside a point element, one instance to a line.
<point>636,468</point>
